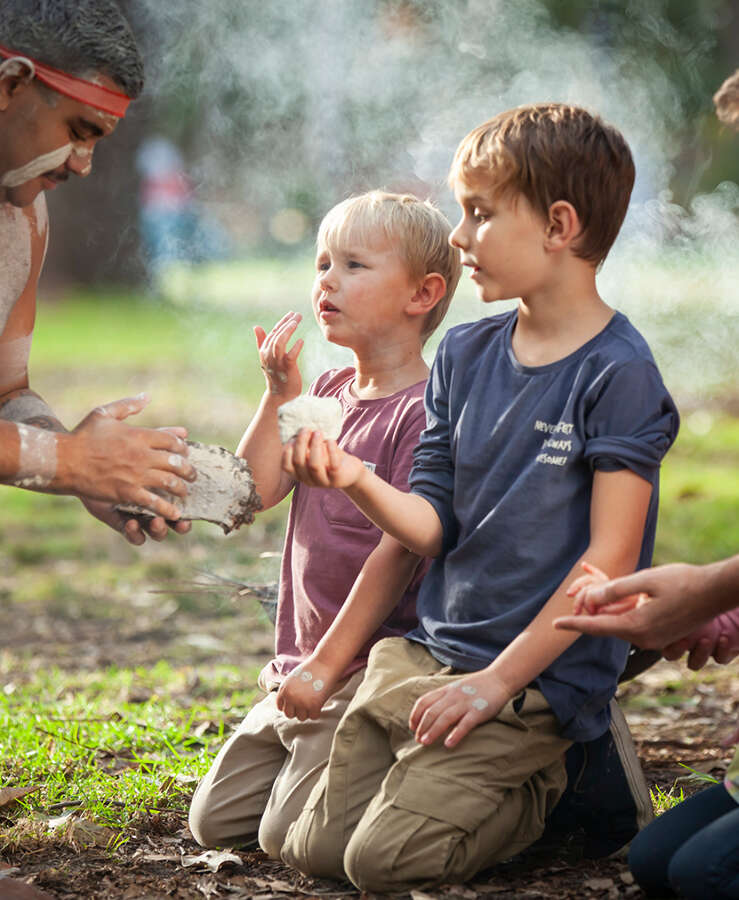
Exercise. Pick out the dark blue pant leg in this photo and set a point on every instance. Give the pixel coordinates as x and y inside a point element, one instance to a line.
<point>707,866</point>
<point>653,849</point>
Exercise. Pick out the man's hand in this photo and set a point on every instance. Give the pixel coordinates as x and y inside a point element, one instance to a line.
<point>461,706</point>
<point>303,693</point>
<point>318,462</point>
<point>104,459</point>
<point>134,529</point>
<point>656,609</point>
<point>279,364</point>
<point>718,638</point>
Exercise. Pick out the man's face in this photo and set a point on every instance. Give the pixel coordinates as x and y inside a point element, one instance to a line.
<point>45,137</point>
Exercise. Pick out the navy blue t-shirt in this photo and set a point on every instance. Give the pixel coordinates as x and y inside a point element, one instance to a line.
<point>507,461</point>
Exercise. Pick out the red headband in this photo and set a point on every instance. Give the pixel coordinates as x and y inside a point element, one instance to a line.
<point>87,92</point>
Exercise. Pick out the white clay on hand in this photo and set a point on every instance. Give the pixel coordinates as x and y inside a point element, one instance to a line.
<point>305,675</point>
<point>322,414</point>
<point>479,703</point>
<point>469,689</point>
<point>318,685</point>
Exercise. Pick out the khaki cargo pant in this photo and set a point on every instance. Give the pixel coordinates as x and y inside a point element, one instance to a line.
<point>392,814</point>
<point>261,778</point>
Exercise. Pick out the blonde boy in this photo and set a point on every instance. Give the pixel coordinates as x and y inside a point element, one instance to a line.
<point>385,274</point>
<point>546,427</point>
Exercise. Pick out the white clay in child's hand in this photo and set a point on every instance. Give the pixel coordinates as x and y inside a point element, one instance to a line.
<point>306,675</point>
<point>479,703</point>
<point>318,685</point>
<point>468,689</point>
<point>322,414</point>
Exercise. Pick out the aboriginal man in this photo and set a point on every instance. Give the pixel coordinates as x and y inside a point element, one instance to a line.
<point>68,70</point>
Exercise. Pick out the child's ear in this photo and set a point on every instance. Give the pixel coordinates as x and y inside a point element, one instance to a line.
<point>563,226</point>
<point>428,294</point>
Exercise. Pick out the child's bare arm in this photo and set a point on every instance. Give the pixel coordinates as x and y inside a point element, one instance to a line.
<point>381,583</point>
<point>260,445</point>
<point>409,518</point>
<point>617,515</point>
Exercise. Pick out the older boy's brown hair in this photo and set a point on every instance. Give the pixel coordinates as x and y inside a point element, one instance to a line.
<point>550,152</point>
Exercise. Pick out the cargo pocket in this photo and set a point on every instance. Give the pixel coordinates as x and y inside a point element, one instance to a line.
<point>411,834</point>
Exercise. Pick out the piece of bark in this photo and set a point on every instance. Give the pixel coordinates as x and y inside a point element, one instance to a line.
<point>223,492</point>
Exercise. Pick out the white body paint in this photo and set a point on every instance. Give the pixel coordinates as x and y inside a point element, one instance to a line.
<point>15,258</point>
<point>14,361</point>
<point>42,217</point>
<point>34,168</point>
<point>25,407</point>
<point>37,457</point>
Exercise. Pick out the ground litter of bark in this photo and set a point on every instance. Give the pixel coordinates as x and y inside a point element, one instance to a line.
<point>152,863</point>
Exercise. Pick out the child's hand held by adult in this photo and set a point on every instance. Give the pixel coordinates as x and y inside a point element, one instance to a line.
<point>590,597</point>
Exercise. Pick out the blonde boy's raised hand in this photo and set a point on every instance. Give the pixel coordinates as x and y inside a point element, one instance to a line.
<point>279,364</point>
<point>461,706</point>
<point>302,694</point>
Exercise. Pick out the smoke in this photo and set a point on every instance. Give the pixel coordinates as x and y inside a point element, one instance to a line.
<point>293,104</point>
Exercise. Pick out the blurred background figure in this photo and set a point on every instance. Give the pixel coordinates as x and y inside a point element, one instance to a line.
<point>174,228</point>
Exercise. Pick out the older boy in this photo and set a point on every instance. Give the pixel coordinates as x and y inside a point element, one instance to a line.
<point>385,274</point>
<point>546,427</point>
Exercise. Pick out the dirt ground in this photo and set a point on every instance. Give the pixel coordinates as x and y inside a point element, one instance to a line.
<point>673,721</point>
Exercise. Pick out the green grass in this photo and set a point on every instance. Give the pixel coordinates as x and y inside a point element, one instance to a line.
<point>116,742</point>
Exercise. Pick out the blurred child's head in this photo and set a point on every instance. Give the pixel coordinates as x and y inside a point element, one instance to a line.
<point>726,101</point>
<point>551,152</point>
<point>415,229</point>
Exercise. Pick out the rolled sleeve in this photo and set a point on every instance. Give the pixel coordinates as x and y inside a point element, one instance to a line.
<point>632,422</point>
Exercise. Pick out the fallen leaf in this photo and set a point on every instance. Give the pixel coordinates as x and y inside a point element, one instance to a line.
<point>599,884</point>
<point>213,859</point>
<point>9,795</point>
<point>81,830</point>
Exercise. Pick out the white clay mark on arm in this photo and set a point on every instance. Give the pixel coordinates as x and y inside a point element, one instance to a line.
<point>25,407</point>
<point>37,458</point>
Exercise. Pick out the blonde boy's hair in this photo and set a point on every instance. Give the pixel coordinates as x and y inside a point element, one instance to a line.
<point>550,152</point>
<point>415,228</point>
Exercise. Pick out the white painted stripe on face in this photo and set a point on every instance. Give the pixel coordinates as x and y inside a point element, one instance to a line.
<point>38,166</point>
<point>37,458</point>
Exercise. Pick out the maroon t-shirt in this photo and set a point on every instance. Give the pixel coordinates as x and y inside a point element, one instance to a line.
<point>328,539</point>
